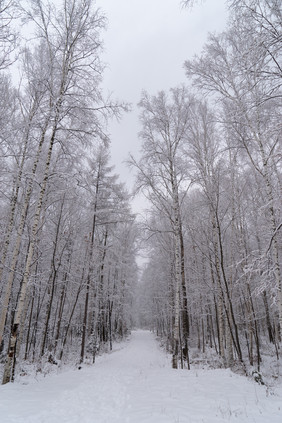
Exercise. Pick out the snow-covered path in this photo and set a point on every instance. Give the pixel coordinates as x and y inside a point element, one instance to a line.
<point>136,384</point>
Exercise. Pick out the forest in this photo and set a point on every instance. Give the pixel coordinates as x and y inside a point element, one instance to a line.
<point>210,169</point>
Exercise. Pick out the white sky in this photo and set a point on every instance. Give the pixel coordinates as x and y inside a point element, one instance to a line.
<point>146,44</point>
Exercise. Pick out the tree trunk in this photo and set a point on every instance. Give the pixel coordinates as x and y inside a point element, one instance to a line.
<point>20,230</point>
<point>22,295</point>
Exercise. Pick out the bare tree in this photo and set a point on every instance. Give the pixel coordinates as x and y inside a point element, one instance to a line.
<point>8,34</point>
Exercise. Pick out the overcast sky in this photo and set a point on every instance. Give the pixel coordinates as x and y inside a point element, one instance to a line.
<point>146,44</point>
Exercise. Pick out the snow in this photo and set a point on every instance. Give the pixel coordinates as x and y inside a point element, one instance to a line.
<point>135,384</point>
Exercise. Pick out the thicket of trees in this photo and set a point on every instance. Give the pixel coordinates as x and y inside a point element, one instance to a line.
<point>211,168</point>
<point>67,233</point>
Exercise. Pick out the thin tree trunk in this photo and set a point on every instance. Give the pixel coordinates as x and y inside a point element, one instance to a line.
<point>61,307</point>
<point>29,325</point>
<point>55,272</point>
<point>176,326</point>
<point>14,199</point>
<point>69,323</point>
<point>185,314</point>
<point>20,230</point>
<point>230,304</point>
<point>84,325</point>
<point>267,317</point>
<point>20,305</point>
<point>90,266</point>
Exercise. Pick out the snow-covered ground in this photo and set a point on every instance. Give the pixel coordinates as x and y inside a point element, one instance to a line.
<point>135,384</point>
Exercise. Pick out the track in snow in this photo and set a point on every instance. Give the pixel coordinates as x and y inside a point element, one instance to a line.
<point>136,385</point>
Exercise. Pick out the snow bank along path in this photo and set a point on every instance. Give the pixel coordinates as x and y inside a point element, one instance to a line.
<point>136,384</point>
